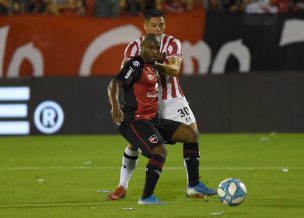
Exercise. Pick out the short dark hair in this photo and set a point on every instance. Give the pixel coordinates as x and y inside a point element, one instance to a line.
<point>150,37</point>
<point>153,13</point>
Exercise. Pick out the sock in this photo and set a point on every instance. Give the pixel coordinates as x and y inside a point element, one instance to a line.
<point>192,162</point>
<point>129,163</point>
<point>153,171</point>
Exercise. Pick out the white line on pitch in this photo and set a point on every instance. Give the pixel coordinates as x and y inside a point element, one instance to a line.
<point>167,168</point>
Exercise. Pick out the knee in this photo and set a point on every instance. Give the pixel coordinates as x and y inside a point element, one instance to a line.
<point>194,136</point>
<point>132,148</point>
<point>160,150</point>
<point>196,132</point>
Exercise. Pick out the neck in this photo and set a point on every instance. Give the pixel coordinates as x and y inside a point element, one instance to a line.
<point>145,60</point>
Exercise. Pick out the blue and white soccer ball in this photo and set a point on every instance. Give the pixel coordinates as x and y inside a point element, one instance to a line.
<point>232,191</point>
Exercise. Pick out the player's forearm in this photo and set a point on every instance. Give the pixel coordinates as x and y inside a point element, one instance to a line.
<point>113,93</point>
<point>169,69</point>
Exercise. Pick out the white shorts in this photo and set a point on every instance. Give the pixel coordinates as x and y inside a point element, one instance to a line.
<point>176,109</point>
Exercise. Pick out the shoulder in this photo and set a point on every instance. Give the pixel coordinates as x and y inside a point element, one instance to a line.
<point>133,48</point>
<point>136,62</point>
<point>131,71</point>
<point>171,39</point>
<point>172,46</point>
<point>136,42</point>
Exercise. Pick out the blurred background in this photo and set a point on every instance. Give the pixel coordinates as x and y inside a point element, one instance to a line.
<point>243,67</point>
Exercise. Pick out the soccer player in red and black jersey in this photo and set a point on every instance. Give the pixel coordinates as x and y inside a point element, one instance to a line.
<point>137,116</point>
<point>172,104</point>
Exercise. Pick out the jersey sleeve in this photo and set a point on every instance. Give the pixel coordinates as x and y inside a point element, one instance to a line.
<point>174,48</point>
<point>131,50</point>
<point>129,73</point>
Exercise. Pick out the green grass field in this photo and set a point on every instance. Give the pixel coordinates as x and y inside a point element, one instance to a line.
<point>69,176</point>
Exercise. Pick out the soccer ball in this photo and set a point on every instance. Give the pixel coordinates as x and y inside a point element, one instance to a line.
<point>232,191</point>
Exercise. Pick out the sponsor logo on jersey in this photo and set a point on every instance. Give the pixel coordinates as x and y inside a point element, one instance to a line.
<point>130,71</point>
<point>153,139</point>
<point>136,63</point>
<point>151,95</point>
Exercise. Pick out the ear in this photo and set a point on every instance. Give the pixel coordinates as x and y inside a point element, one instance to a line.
<point>145,26</point>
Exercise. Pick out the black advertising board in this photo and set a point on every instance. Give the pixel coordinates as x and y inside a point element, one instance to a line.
<point>62,105</point>
<point>256,102</point>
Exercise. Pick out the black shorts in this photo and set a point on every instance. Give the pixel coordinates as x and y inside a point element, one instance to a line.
<point>148,134</point>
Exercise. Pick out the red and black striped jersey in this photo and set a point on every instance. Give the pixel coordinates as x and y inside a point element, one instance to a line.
<point>139,98</point>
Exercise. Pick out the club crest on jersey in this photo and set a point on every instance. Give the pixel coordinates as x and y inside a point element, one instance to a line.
<point>153,139</point>
<point>150,77</point>
<point>136,63</point>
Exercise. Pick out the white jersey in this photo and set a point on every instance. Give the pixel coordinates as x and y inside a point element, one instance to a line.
<point>169,86</point>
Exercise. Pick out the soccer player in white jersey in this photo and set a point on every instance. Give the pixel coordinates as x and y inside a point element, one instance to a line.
<point>172,105</point>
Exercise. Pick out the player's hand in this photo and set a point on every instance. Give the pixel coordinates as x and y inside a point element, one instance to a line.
<point>117,115</point>
<point>161,57</point>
